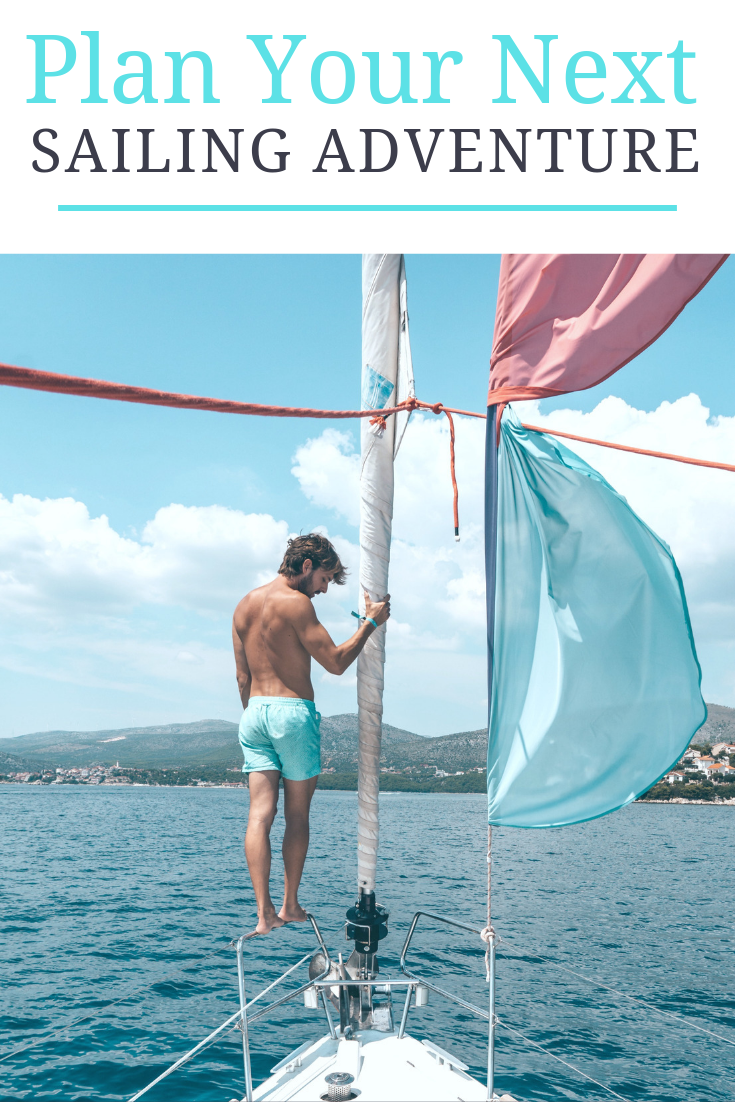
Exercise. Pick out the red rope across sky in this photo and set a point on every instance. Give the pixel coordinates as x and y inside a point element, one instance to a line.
<point>29,379</point>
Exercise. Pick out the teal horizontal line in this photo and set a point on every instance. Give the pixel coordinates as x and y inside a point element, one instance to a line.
<point>500,208</point>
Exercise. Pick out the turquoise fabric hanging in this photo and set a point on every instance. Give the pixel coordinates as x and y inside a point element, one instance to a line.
<point>596,683</point>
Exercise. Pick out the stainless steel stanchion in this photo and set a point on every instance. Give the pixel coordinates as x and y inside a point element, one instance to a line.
<point>491,1024</point>
<point>244,1020</point>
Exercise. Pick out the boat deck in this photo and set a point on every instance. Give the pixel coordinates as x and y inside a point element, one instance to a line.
<point>384,1068</point>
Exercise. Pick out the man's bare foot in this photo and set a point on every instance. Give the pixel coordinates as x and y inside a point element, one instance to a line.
<point>294,913</point>
<point>267,922</point>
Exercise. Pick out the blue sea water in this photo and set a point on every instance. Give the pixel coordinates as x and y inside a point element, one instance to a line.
<point>108,890</point>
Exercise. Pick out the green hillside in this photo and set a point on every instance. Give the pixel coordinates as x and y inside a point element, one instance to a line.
<point>210,742</point>
<point>213,743</point>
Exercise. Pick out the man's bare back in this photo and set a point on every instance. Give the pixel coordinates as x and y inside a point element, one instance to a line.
<point>267,642</point>
<point>275,634</point>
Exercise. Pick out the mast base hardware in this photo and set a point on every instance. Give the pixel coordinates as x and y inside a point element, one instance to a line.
<point>317,966</point>
<point>367,923</point>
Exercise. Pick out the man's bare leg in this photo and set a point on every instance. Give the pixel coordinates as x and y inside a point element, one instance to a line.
<point>263,805</point>
<point>296,803</point>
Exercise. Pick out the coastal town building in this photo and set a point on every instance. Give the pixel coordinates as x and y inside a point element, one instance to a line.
<point>717,770</point>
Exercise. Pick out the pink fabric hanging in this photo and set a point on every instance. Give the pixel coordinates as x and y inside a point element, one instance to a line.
<point>567,321</point>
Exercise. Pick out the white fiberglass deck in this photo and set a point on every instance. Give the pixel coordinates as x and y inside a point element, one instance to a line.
<point>384,1069</point>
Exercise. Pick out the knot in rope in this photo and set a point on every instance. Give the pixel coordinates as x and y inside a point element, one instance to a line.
<point>379,421</point>
<point>437,408</point>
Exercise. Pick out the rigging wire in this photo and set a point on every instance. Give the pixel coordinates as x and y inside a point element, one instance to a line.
<point>499,1021</point>
<point>223,1031</point>
<point>632,998</point>
<point>232,1022</point>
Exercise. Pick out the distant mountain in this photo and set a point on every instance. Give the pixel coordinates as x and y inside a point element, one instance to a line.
<point>11,762</point>
<point>214,742</point>
<point>451,752</point>
<point>401,748</point>
<point>720,726</point>
<point>340,739</point>
<point>208,742</point>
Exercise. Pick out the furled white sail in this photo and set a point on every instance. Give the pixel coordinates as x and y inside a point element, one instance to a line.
<point>387,380</point>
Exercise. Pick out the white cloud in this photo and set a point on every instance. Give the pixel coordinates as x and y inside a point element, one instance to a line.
<point>438,585</point>
<point>80,579</point>
<point>327,468</point>
<point>692,508</point>
<point>328,472</point>
<point>86,606</point>
<point>436,666</point>
<point>423,494</point>
<point>58,561</point>
<point>206,558</point>
<point>430,573</point>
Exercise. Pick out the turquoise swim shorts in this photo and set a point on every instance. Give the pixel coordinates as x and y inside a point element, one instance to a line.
<point>281,732</point>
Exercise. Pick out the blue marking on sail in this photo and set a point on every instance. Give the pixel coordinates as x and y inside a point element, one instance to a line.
<point>376,389</point>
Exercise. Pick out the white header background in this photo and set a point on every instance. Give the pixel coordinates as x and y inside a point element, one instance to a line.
<point>31,221</point>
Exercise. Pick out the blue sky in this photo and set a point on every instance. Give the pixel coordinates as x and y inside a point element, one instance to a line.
<point>272,329</point>
<point>283,330</point>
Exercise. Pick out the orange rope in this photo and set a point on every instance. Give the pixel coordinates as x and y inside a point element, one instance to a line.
<point>636,451</point>
<point>49,381</point>
<point>30,379</point>
<point>453,473</point>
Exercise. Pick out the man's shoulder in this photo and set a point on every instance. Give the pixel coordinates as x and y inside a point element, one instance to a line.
<point>251,601</point>
<point>275,601</point>
<point>290,603</point>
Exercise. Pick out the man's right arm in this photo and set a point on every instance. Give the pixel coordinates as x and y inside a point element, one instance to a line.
<point>241,666</point>
<point>316,640</point>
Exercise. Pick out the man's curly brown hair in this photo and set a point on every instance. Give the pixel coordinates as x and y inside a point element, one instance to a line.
<point>319,550</point>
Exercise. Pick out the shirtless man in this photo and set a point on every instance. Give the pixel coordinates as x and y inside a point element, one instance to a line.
<point>275,634</point>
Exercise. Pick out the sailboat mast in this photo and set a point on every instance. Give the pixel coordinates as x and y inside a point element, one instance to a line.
<point>387,379</point>
<point>380,325</point>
